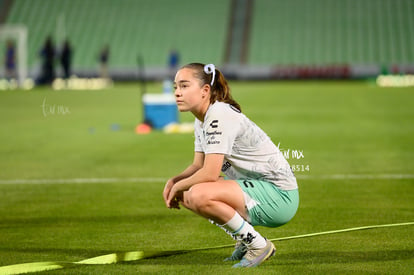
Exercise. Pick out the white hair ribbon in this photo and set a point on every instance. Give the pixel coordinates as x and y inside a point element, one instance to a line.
<point>210,69</point>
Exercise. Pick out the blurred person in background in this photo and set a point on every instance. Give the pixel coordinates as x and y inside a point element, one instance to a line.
<point>10,60</point>
<point>66,59</point>
<point>103,61</point>
<point>173,62</point>
<point>47,55</point>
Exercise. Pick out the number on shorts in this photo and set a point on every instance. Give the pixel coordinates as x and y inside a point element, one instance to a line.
<point>247,183</point>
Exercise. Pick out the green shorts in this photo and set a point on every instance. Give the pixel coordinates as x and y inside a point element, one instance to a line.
<point>266,204</point>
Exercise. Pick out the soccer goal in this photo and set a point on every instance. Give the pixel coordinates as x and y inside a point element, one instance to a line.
<point>17,34</point>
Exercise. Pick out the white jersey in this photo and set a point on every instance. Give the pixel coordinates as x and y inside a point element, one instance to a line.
<point>248,152</point>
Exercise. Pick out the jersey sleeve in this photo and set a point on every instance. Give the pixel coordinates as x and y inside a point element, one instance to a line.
<point>220,130</point>
<point>198,147</point>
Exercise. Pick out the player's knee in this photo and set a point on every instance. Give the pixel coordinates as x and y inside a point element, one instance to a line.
<point>196,199</point>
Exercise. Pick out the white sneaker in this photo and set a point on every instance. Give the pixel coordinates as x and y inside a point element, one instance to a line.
<point>254,257</point>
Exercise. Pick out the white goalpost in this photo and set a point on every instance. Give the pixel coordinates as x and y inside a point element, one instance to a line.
<point>17,33</point>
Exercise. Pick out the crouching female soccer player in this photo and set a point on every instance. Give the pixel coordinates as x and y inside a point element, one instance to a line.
<point>259,187</point>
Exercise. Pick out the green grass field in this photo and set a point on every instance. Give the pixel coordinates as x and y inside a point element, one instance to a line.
<point>357,169</point>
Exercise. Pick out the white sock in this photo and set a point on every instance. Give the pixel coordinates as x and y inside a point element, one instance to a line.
<point>244,231</point>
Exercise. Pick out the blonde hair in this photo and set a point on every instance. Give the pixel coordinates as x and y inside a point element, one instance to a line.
<point>220,90</point>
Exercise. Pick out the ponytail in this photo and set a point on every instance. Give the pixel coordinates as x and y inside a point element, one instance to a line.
<point>220,90</point>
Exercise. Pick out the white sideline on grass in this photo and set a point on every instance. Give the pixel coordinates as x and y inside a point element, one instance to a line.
<point>149,179</point>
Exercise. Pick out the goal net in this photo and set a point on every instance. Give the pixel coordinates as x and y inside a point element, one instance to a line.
<point>17,34</point>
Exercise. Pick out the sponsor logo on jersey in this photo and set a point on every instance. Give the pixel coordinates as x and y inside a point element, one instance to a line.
<point>214,123</point>
<point>213,133</point>
<point>213,142</point>
<point>225,166</point>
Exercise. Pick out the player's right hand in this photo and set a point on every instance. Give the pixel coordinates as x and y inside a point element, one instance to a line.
<point>167,189</point>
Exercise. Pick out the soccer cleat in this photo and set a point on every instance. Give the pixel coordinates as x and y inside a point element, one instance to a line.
<point>254,257</point>
<point>239,251</point>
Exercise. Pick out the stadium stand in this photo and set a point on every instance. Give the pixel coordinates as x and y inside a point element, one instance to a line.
<point>281,33</point>
<point>150,28</point>
<point>332,32</point>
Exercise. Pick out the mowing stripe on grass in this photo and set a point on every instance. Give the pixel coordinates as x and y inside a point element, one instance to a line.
<point>149,179</point>
<point>358,176</point>
<point>79,180</point>
<point>139,255</point>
